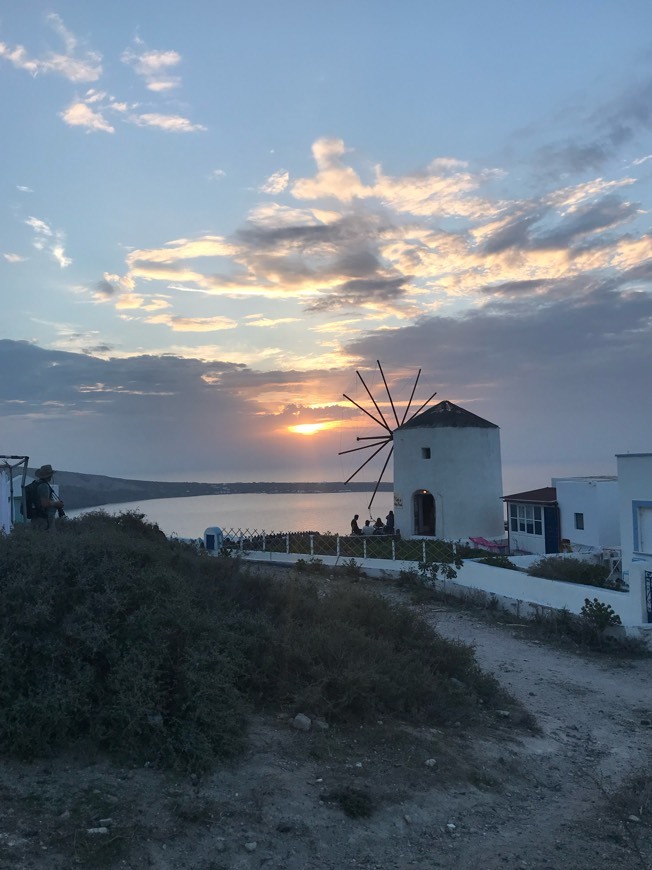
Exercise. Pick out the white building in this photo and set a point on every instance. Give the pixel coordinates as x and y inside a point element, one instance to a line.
<point>635,490</point>
<point>589,511</point>
<point>448,475</point>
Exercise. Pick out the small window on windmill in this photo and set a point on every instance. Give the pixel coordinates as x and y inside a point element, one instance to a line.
<point>425,453</point>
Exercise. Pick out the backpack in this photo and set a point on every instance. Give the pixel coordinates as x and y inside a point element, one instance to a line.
<point>33,502</point>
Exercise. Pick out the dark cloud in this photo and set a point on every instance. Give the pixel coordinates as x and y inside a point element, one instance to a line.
<point>353,294</point>
<point>154,416</point>
<point>616,122</point>
<point>567,382</point>
<point>515,233</point>
<point>605,214</point>
<point>517,288</point>
<point>105,288</point>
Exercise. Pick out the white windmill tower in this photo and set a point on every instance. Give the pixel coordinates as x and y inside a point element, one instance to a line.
<point>447,469</point>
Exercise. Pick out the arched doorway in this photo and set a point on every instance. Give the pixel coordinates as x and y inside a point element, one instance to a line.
<point>423,504</point>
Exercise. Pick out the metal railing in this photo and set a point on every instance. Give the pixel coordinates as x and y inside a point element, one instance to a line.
<point>315,544</point>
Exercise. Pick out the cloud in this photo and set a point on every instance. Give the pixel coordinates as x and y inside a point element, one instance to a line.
<point>264,322</point>
<point>24,189</point>
<point>216,175</point>
<point>47,239</point>
<point>79,114</point>
<point>154,67</point>
<point>276,183</point>
<point>76,66</point>
<point>169,123</point>
<point>14,258</point>
<point>138,408</point>
<point>619,120</point>
<point>193,324</point>
<point>333,178</point>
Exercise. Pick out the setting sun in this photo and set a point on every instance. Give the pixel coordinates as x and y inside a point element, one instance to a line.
<point>310,428</point>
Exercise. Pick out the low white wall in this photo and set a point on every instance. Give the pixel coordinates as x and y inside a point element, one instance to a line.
<point>514,589</point>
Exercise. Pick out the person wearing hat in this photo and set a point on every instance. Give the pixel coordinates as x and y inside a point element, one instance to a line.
<point>50,503</point>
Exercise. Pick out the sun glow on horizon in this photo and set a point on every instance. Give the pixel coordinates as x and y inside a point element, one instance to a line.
<point>311,428</point>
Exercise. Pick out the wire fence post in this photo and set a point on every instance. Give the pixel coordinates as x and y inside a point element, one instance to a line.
<point>423,550</point>
<point>337,546</point>
<point>393,550</point>
<point>264,541</point>
<point>312,545</point>
<point>364,548</point>
<point>287,542</point>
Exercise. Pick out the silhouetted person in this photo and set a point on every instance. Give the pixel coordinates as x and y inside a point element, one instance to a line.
<point>355,528</point>
<point>389,523</point>
<point>47,500</point>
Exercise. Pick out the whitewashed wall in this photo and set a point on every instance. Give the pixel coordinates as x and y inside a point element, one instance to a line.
<point>464,474</point>
<point>597,499</point>
<point>514,589</point>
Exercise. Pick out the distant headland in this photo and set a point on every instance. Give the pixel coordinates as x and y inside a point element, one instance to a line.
<point>94,490</point>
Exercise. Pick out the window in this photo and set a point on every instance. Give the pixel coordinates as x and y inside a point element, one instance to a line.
<point>579,521</point>
<point>425,453</point>
<point>525,518</point>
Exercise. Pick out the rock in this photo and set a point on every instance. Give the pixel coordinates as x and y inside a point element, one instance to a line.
<point>430,762</point>
<point>633,818</point>
<point>252,846</point>
<point>106,822</point>
<point>219,844</point>
<point>301,722</point>
<point>450,827</point>
<point>503,714</point>
<point>94,831</point>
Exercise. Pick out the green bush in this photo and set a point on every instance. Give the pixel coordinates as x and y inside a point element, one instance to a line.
<point>570,570</point>
<point>155,651</point>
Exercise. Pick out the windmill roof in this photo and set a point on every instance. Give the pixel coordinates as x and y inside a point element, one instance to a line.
<point>447,415</point>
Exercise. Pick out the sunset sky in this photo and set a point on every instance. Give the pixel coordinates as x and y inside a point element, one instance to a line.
<point>214,213</point>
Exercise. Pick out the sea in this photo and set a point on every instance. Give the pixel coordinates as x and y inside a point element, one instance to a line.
<point>262,512</point>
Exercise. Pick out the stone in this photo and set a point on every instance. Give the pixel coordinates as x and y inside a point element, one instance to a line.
<point>430,762</point>
<point>301,722</point>
<point>252,846</point>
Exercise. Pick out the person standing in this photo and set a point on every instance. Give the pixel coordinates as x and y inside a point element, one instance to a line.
<point>389,523</point>
<point>47,500</point>
<point>355,528</point>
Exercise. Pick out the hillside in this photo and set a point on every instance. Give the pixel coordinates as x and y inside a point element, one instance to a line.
<point>94,490</point>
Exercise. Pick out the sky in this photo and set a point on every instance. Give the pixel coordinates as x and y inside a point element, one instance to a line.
<point>215,214</point>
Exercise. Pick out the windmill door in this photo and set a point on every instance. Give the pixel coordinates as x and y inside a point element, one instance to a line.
<point>424,513</point>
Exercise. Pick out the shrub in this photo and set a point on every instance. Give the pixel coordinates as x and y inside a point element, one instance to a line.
<point>155,651</point>
<point>498,561</point>
<point>599,615</point>
<point>106,635</point>
<point>570,570</point>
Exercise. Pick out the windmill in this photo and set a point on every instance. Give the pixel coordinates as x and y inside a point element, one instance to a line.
<point>385,439</point>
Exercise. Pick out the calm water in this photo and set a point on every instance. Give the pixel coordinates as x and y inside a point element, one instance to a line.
<point>269,512</point>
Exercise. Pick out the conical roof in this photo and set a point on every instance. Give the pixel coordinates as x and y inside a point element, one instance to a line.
<point>450,416</point>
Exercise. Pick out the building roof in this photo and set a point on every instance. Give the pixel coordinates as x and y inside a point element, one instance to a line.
<point>545,495</point>
<point>447,415</point>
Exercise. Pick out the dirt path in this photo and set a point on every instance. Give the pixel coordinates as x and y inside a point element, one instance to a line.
<point>550,801</point>
<point>596,721</point>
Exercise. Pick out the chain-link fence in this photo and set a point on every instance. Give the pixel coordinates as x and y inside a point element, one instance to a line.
<point>315,544</point>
